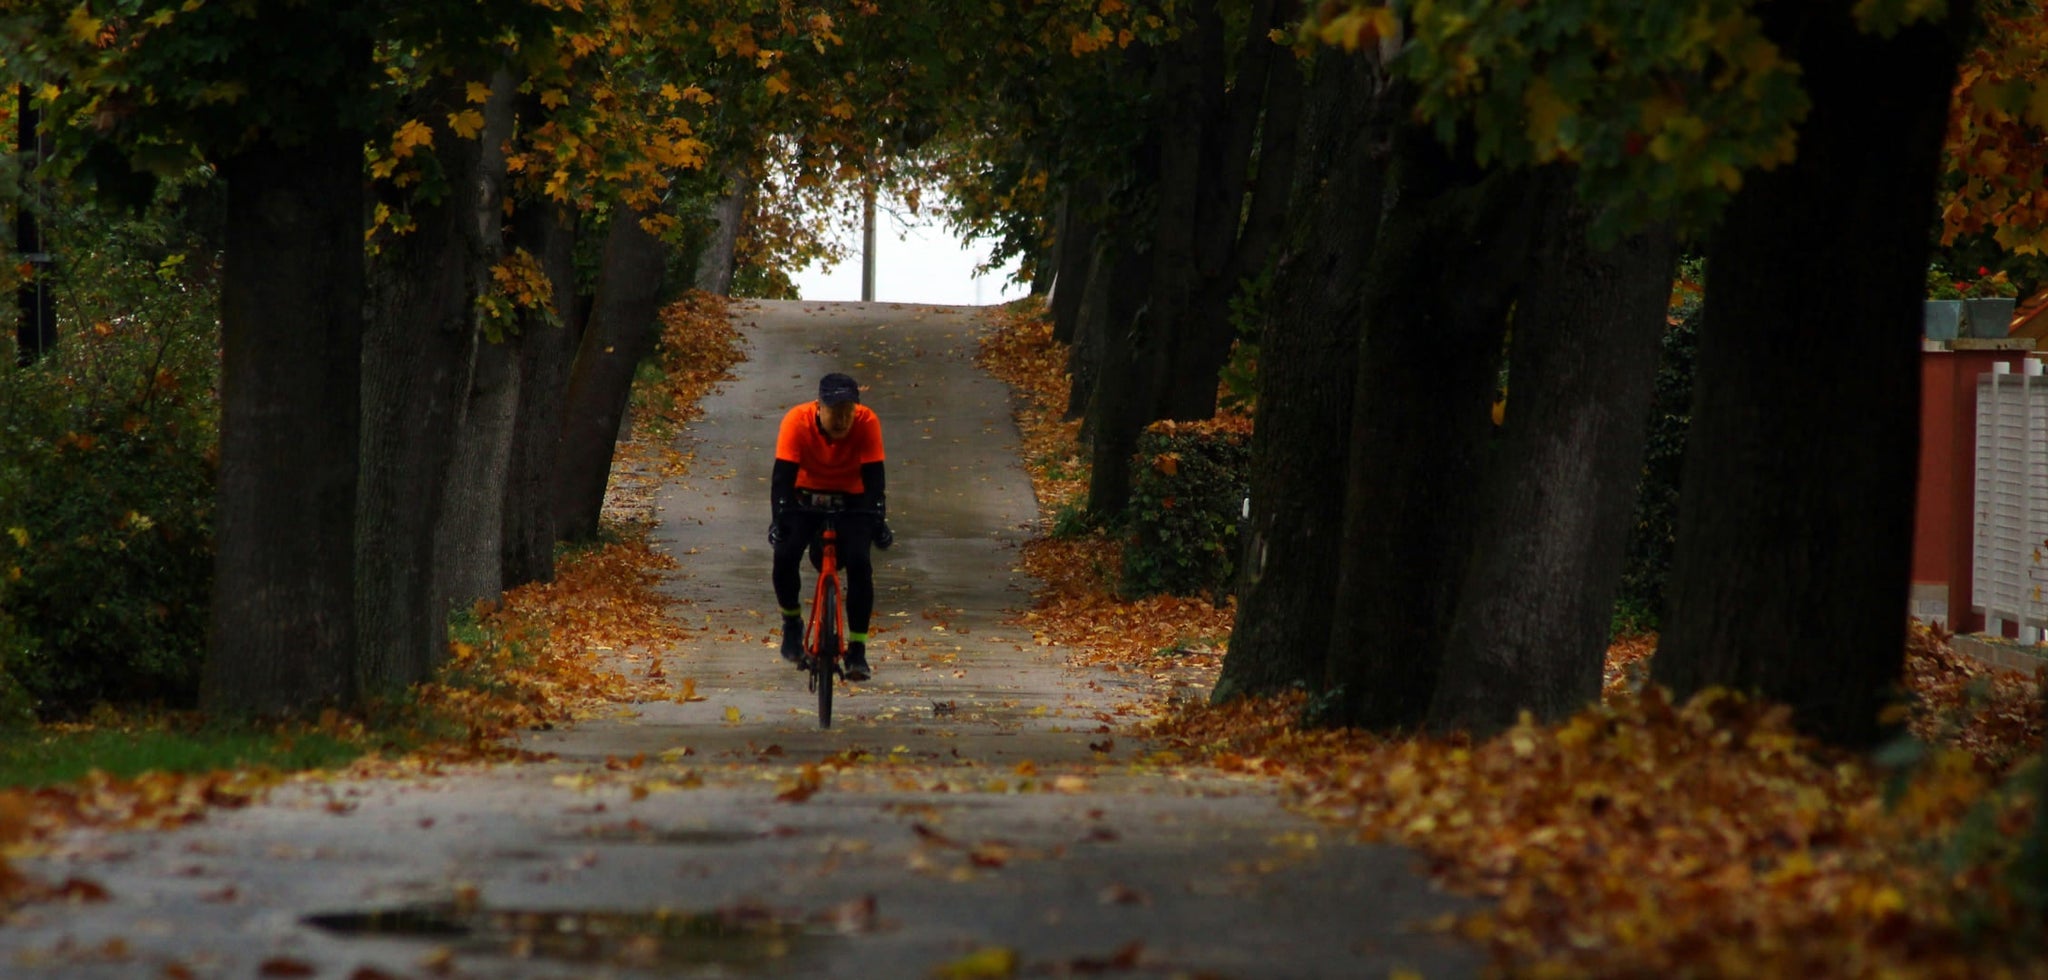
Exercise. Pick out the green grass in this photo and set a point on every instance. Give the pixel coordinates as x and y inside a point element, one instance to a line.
<point>51,755</point>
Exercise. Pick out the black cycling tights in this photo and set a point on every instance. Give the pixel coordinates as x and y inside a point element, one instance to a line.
<point>854,535</point>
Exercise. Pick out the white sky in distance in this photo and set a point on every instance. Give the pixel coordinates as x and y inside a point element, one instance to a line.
<point>919,263</point>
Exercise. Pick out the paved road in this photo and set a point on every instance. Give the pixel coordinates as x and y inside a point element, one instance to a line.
<point>971,807</point>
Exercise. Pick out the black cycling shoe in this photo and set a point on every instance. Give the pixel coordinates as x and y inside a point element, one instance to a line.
<point>793,640</point>
<point>855,664</point>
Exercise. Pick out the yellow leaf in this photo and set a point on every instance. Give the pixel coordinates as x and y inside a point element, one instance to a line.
<point>670,92</point>
<point>1354,28</point>
<point>553,97</point>
<point>987,963</point>
<point>732,715</point>
<point>466,123</point>
<point>48,93</point>
<point>82,24</point>
<point>20,536</point>
<point>778,83</point>
<point>1547,113</point>
<point>412,135</point>
<point>160,18</point>
<point>478,92</point>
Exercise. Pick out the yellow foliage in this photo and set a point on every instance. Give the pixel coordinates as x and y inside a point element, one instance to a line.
<point>467,123</point>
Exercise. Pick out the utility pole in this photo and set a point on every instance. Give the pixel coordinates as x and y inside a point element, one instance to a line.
<point>867,242</point>
<point>36,331</point>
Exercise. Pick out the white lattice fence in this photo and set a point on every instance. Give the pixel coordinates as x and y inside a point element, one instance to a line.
<point>2009,546</point>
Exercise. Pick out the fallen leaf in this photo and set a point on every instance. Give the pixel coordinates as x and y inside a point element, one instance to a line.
<point>284,966</point>
<point>988,963</point>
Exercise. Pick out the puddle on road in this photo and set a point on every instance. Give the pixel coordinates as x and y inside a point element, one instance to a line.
<point>742,938</point>
<point>703,836</point>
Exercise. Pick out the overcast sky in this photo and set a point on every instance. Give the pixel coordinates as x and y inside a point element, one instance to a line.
<point>922,263</point>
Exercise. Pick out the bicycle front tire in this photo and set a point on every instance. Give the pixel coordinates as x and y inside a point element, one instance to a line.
<point>825,659</point>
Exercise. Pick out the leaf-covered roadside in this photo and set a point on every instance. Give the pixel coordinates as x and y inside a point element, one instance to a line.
<point>1640,837</point>
<point>1077,606</point>
<point>546,654</point>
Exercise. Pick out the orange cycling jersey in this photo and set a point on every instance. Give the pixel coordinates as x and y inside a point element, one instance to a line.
<point>831,465</point>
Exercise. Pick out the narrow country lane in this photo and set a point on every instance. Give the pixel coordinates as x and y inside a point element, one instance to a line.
<point>976,810</point>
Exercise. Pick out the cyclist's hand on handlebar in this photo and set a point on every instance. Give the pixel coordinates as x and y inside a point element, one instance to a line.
<point>884,537</point>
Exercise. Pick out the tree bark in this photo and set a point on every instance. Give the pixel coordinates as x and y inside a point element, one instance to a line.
<point>1238,219</point>
<point>283,635</point>
<point>1439,289</point>
<point>1075,255</point>
<point>1137,351</point>
<point>547,231</point>
<point>468,566</point>
<point>1308,362</point>
<point>417,348</point>
<point>468,563</point>
<point>622,330</point>
<point>1530,630</point>
<point>715,261</point>
<point>1795,527</point>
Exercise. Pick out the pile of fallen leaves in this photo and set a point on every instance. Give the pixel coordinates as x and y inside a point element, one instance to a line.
<point>561,650</point>
<point>1077,605</point>
<point>1643,838</point>
<point>1640,837</point>
<point>554,649</point>
<point>698,349</point>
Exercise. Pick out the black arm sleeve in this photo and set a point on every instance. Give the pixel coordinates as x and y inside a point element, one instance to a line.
<point>873,482</point>
<point>781,486</point>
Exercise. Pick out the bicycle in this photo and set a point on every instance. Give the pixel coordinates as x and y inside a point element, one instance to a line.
<point>825,633</point>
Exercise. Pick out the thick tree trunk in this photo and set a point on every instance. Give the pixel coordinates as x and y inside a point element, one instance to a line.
<point>283,636</point>
<point>622,329</point>
<point>1115,290</point>
<point>528,545</point>
<point>1137,353</point>
<point>468,563</point>
<point>467,543</point>
<point>1531,627</point>
<point>1075,256</point>
<point>1308,359</point>
<point>417,346</point>
<point>715,263</point>
<point>1239,219</point>
<point>1795,527</point>
<point>1438,294</point>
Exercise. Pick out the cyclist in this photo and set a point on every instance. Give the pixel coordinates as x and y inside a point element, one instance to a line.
<point>831,445</point>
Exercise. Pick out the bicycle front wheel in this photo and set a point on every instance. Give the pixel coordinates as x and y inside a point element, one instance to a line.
<point>825,659</point>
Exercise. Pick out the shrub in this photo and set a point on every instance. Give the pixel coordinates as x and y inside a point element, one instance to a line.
<point>107,452</point>
<point>1188,487</point>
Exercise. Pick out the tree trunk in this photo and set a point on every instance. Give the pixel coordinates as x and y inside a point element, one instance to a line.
<point>1795,527</point>
<point>283,636</point>
<point>622,330</point>
<point>417,348</point>
<point>1136,354</point>
<point>1075,255</point>
<point>1115,290</point>
<point>1531,627</point>
<point>468,564</point>
<point>715,261</point>
<point>528,546</point>
<point>1238,220</point>
<point>1438,293</point>
<point>1308,362</point>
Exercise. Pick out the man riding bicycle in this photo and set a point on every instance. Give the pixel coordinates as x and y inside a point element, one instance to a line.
<point>831,445</point>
